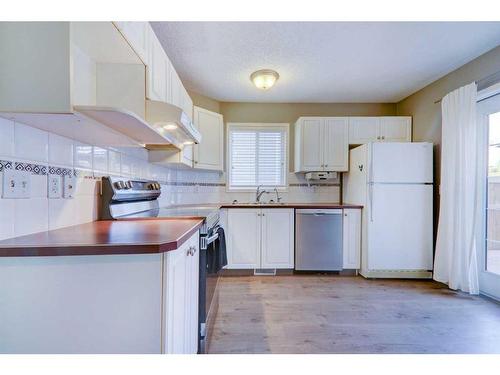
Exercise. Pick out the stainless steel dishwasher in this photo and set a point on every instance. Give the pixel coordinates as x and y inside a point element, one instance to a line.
<point>318,240</point>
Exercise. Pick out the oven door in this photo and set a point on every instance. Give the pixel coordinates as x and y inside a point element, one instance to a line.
<point>208,298</point>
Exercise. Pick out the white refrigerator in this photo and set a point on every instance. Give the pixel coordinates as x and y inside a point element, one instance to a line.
<point>394,183</point>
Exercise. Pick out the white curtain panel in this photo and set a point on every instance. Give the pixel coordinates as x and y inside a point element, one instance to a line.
<point>456,261</point>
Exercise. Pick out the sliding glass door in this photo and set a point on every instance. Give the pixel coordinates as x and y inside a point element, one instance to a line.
<point>489,246</point>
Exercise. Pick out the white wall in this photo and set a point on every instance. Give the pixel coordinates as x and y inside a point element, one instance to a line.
<point>40,152</point>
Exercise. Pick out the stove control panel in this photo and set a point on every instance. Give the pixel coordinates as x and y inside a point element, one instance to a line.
<point>123,189</point>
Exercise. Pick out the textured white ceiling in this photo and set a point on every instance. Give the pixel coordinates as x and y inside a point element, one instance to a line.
<point>321,61</point>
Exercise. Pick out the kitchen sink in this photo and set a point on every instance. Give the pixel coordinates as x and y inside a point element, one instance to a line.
<point>236,203</point>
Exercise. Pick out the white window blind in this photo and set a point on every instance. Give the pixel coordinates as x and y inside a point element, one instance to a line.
<point>257,156</point>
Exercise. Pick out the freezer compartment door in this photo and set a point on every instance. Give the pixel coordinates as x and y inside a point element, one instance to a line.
<point>318,242</point>
<point>401,162</point>
<point>400,227</point>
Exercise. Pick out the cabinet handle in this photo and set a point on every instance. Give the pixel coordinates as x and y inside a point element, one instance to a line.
<point>188,253</point>
<point>383,137</point>
<point>326,165</point>
<point>378,137</point>
<point>193,250</point>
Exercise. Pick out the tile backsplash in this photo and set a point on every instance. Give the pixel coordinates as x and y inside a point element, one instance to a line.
<point>41,153</point>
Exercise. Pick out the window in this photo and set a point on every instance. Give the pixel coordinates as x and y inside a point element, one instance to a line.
<point>257,155</point>
<point>493,199</point>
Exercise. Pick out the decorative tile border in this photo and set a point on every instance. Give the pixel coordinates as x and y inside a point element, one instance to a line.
<point>172,183</point>
<point>36,169</point>
<point>5,164</point>
<point>84,173</point>
<point>314,184</point>
<point>60,171</point>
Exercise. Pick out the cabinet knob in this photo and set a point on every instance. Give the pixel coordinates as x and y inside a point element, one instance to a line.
<point>383,137</point>
<point>192,250</point>
<point>326,165</point>
<point>378,138</point>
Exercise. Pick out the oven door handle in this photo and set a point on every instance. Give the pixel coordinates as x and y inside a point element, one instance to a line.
<point>205,241</point>
<point>212,238</point>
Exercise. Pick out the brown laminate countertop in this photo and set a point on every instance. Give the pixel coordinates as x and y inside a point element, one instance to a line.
<point>325,205</point>
<point>104,238</point>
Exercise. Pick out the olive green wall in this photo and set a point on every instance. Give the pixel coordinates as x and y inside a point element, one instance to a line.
<point>290,112</point>
<point>205,102</point>
<point>427,114</point>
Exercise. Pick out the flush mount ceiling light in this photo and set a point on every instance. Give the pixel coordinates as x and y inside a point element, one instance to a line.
<point>264,79</point>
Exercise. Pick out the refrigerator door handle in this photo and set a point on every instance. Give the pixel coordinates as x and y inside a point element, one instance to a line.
<point>370,192</point>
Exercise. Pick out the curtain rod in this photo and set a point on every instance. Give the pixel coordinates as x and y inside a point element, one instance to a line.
<point>483,83</point>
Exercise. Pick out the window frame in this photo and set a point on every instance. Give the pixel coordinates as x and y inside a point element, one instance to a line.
<point>257,126</point>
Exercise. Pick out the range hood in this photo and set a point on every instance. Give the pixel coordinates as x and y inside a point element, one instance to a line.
<point>172,121</point>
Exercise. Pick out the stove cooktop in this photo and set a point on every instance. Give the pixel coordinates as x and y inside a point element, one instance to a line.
<point>209,213</point>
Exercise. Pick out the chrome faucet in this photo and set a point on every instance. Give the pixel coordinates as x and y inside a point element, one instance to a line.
<point>259,193</point>
<point>278,198</point>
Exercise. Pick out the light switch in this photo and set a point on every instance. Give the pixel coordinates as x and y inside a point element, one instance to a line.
<point>68,186</point>
<point>54,188</point>
<point>16,184</point>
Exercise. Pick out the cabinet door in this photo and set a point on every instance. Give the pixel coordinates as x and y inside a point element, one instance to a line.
<point>192,287</point>
<point>277,238</point>
<point>176,294</point>
<point>157,71</point>
<point>243,239</point>
<point>136,34</point>
<point>175,88</point>
<point>336,144</point>
<point>352,238</point>
<point>187,103</point>
<point>311,153</point>
<point>363,130</point>
<point>395,129</point>
<point>209,153</point>
<point>187,155</point>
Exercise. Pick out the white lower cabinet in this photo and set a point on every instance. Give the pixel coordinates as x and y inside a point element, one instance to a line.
<point>243,238</point>
<point>260,238</point>
<point>277,238</point>
<point>180,300</point>
<point>352,238</point>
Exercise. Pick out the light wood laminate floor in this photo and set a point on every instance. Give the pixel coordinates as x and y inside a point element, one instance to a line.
<point>346,314</point>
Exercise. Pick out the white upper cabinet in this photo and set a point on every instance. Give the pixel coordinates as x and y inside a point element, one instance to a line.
<point>162,81</point>
<point>158,70</point>
<point>336,144</point>
<point>363,130</point>
<point>321,144</point>
<point>379,129</point>
<point>209,153</point>
<point>137,34</point>
<point>309,144</point>
<point>395,129</point>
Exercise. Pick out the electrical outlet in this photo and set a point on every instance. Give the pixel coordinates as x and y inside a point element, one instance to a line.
<point>54,188</point>
<point>68,186</point>
<point>16,184</point>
